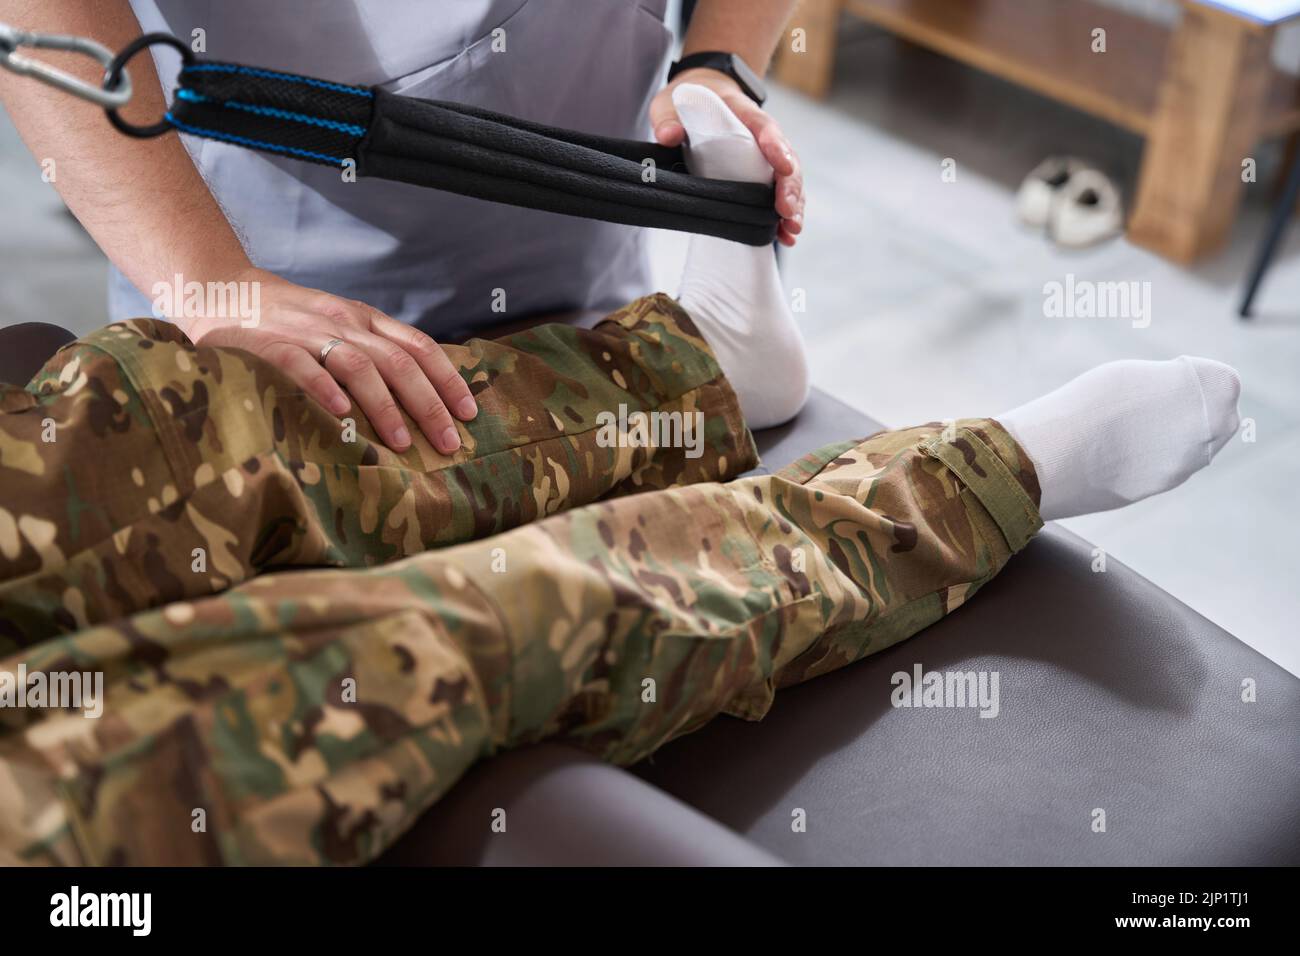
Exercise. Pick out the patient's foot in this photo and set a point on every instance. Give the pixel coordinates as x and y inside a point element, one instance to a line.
<point>733,291</point>
<point>1125,430</point>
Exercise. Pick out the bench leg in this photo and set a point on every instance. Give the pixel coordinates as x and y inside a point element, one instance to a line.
<point>810,71</point>
<point>1208,118</point>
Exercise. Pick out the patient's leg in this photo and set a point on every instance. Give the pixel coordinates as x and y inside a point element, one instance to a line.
<point>137,469</point>
<point>313,715</point>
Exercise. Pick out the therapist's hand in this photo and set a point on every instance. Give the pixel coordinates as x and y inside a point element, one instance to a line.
<point>776,148</point>
<point>383,362</point>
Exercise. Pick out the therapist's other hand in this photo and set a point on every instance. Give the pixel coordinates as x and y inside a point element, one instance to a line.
<point>382,362</point>
<point>669,131</point>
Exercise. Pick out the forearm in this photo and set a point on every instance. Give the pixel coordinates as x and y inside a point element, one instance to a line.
<point>749,28</point>
<point>142,201</point>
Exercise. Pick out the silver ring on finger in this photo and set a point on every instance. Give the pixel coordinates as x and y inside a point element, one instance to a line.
<point>329,347</point>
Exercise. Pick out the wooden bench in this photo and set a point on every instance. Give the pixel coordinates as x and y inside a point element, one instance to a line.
<point>1203,94</point>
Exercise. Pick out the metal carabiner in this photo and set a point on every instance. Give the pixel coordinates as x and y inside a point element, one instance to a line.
<point>11,39</point>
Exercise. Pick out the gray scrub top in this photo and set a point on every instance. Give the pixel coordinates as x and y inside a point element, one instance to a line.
<point>425,257</point>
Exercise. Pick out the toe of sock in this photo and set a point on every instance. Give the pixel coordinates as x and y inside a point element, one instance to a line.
<point>718,144</point>
<point>1220,389</point>
<point>703,110</point>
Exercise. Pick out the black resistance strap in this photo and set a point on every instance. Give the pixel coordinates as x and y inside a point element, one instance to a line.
<point>466,150</point>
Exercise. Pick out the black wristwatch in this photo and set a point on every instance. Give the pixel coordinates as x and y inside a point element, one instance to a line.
<point>727,63</point>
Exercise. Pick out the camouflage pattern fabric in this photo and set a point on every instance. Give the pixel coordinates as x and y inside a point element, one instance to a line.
<point>310,717</point>
<point>138,470</point>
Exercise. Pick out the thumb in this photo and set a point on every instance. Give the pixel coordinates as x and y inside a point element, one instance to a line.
<point>668,128</point>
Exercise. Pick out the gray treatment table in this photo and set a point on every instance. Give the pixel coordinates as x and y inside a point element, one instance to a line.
<point>1113,696</point>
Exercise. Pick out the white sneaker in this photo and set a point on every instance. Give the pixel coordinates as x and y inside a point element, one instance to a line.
<point>1086,211</point>
<point>1039,191</point>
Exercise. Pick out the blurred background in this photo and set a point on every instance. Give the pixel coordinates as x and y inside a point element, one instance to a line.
<point>917,122</point>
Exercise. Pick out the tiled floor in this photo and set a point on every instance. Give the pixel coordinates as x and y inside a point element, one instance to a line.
<point>925,301</point>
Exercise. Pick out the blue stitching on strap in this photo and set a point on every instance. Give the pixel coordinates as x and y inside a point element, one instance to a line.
<point>245,141</point>
<point>271,75</point>
<point>351,128</point>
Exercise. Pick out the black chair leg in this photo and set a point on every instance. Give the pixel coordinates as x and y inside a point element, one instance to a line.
<point>1276,227</point>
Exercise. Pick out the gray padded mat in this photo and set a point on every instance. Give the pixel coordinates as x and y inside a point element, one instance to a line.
<point>562,807</point>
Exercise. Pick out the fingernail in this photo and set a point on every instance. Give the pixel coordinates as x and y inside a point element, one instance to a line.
<point>339,404</point>
<point>450,440</point>
<point>402,436</point>
<point>467,408</point>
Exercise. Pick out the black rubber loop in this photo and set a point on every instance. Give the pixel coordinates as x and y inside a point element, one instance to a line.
<point>115,73</point>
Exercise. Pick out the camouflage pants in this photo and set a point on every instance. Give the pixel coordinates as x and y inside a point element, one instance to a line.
<point>310,716</point>
<point>138,470</point>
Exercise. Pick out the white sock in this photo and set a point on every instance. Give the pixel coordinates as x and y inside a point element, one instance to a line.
<point>732,291</point>
<point>1125,430</point>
